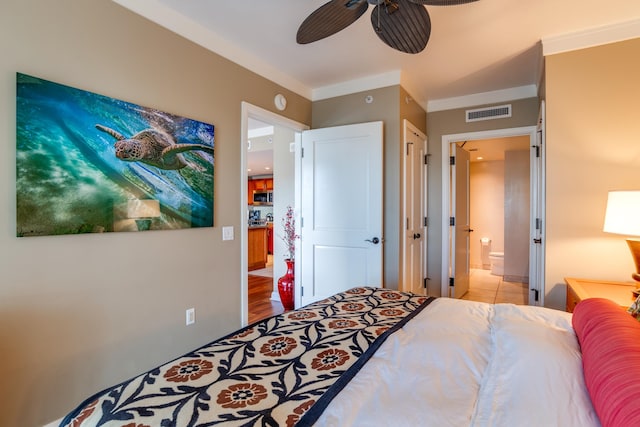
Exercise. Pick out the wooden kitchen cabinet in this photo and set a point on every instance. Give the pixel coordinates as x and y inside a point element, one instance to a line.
<point>257,242</point>
<point>258,185</point>
<point>250,188</point>
<point>263,184</point>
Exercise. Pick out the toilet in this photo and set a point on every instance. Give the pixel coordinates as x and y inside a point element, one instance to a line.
<point>497,263</point>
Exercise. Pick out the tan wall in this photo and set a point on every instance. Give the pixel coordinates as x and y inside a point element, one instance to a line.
<point>592,147</point>
<point>79,313</point>
<point>524,113</point>
<point>389,105</point>
<point>486,207</point>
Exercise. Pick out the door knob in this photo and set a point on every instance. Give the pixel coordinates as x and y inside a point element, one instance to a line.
<point>375,240</point>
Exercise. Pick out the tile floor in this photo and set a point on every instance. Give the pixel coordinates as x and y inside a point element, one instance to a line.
<point>485,287</point>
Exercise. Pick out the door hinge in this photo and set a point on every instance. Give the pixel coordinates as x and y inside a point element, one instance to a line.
<point>424,283</point>
<point>536,294</point>
<point>538,223</point>
<point>301,152</point>
<point>452,160</point>
<point>451,281</point>
<point>537,241</point>
<point>407,223</point>
<point>452,221</point>
<point>426,158</point>
<point>537,147</point>
<point>426,221</point>
<point>301,222</point>
<point>301,291</point>
<point>408,143</point>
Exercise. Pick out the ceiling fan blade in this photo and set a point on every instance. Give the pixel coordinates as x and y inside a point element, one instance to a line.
<point>441,2</point>
<point>330,18</point>
<point>405,27</point>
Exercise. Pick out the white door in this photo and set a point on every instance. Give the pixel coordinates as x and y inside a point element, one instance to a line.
<point>340,210</point>
<point>414,258</point>
<point>537,243</point>
<point>461,229</point>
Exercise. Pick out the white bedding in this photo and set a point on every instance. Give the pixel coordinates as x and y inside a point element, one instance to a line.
<point>463,363</point>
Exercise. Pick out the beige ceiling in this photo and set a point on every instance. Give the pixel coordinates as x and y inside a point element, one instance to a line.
<point>485,46</point>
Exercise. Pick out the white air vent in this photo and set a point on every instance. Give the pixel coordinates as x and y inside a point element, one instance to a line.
<point>488,113</point>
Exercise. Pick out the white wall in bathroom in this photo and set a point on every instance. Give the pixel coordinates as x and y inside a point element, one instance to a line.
<point>486,207</point>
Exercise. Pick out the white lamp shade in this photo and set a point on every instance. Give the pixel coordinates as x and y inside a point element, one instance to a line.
<point>623,213</point>
<point>143,208</point>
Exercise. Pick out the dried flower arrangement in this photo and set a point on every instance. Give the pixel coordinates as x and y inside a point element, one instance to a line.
<point>290,236</point>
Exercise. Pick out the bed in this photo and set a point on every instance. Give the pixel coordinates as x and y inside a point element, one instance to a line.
<point>378,357</point>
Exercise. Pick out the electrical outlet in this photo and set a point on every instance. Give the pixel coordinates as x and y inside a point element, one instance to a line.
<point>227,233</point>
<point>191,316</point>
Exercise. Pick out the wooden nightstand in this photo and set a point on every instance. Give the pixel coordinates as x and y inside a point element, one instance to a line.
<point>579,289</point>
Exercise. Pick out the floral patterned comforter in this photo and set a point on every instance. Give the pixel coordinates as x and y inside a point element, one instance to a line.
<point>282,371</point>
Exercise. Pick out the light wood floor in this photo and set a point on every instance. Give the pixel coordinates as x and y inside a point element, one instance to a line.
<point>485,287</point>
<point>260,304</point>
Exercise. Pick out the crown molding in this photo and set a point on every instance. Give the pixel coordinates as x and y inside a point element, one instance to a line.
<point>591,37</point>
<point>521,92</point>
<point>357,85</point>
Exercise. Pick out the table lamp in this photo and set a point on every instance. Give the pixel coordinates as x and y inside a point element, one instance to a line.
<point>623,217</point>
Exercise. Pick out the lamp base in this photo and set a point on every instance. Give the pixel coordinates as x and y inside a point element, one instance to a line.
<point>634,247</point>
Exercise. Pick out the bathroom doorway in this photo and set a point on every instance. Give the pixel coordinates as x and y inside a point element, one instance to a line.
<point>498,232</point>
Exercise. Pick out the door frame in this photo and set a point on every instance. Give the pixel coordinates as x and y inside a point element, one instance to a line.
<point>447,140</point>
<point>408,128</point>
<point>252,111</point>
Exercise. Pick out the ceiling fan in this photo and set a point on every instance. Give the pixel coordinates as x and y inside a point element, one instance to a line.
<point>402,24</point>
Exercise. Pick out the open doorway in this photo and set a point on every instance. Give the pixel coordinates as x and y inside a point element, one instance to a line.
<point>452,256</point>
<point>499,209</point>
<point>260,196</point>
<point>272,141</point>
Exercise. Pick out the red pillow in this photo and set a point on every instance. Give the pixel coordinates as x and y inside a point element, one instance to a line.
<point>610,342</point>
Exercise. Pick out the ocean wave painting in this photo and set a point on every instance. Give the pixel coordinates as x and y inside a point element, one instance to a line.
<point>87,163</point>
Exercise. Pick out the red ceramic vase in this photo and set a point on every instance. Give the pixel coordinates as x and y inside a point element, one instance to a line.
<point>286,285</point>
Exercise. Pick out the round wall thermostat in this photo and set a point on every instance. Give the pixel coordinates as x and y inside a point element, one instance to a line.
<point>280,101</point>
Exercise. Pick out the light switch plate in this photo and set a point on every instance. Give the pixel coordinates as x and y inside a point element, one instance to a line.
<point>227,233</point>
<point>190,316</point>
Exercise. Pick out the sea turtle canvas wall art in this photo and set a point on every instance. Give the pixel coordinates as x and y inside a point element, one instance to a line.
<point>88,163</point>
